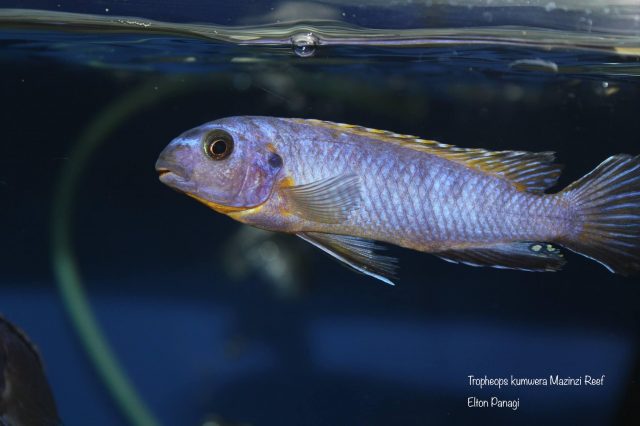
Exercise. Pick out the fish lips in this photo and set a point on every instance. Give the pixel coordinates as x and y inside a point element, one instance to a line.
<point>173,175</point>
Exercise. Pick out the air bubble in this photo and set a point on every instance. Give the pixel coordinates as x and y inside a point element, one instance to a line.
<point>607,89</point>
<point>304,45</point>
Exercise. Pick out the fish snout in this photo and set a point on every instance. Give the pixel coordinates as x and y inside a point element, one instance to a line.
<point>173,166</point>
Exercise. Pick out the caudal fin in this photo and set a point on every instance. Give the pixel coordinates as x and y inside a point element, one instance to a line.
<point>607,207</point>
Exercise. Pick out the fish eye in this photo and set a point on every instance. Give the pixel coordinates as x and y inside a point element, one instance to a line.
<point>218,145</point>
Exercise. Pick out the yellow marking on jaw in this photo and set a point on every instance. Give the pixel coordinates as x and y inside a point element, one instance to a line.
<point>220,208</point>
<point>241,214</point>
<point>536,248</point>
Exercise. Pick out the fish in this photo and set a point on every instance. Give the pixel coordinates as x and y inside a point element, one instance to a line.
<point>350,190</point>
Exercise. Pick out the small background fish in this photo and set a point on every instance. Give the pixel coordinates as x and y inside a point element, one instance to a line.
<point>282,261</point>
<point>342,187</point>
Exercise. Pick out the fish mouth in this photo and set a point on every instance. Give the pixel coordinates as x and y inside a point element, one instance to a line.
<point>173,175</point>
<point>163,172</point>
<point>176,181</point>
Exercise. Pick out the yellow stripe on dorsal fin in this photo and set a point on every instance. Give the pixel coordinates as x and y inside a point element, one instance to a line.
<point>527,171</point>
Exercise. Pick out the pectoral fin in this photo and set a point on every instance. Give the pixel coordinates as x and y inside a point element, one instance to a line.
<point>326,201</point>
<point>519,255</point>
<point>358,253</point>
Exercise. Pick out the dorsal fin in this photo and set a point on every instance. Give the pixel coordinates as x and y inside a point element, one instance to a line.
<point>527,171</point>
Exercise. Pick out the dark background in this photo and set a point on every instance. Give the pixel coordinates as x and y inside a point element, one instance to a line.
<point>342,348</point>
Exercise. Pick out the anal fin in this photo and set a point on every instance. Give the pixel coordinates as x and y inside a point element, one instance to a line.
<point>357,253</point>
<point>525,256</point>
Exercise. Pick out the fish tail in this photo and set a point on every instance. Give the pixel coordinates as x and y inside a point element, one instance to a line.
<point>606,206</point>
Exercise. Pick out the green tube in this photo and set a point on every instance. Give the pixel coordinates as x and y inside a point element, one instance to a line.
<point>63,259</point>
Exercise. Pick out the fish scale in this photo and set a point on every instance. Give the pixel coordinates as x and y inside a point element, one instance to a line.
<point>384,210</point>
